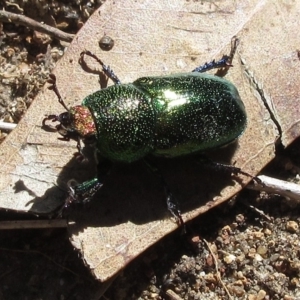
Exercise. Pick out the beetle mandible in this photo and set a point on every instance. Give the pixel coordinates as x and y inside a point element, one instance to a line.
<point>166,116</point>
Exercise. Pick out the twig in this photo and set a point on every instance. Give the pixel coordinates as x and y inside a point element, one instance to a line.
<point>15,5</point>
<point>260,212</point>
<point>271,185</point>
<point>7,126</point>
<point>217,269</point>
<point>30,224</point>
<point>173,295</point>
<point>9,17</point>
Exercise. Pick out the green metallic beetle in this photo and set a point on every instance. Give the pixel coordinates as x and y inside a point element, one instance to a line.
<point>165,116</point>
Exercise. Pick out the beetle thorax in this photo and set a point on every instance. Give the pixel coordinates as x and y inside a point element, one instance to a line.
<point>82,121</point>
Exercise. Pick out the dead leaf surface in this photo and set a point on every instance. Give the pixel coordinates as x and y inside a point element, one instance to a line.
<point>154,38</point>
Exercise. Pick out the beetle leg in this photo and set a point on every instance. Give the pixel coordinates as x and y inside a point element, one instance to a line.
<point>228,168</point>
<point>84,192</point>
<point>53,87</point>
<point>79,155</point>
<point>48,127</point>
<point>172,204</point>
<point>106,69</point>
<point>224,62</point>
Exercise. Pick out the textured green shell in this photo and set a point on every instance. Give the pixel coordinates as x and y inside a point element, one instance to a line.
<point>125,122</point>
<point>166,116</point>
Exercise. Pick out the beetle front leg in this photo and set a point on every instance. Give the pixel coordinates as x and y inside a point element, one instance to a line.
<point>84,192</point>
<point>106,69</point>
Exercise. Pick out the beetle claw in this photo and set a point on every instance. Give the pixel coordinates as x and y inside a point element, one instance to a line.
<point>72,194</point>
<point>48,127</point>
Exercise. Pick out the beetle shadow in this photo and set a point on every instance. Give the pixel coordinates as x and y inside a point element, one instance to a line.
<point>131,192</point>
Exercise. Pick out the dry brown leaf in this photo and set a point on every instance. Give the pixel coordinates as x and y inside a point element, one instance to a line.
<point>154,38</point>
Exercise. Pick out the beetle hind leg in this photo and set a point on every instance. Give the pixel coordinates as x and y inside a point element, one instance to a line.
<point>227,168</point>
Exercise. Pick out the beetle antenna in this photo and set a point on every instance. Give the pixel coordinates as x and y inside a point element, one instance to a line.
<point>53,87</point>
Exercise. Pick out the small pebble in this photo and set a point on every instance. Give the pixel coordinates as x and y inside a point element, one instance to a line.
<point>251,252</point>
<point>258,257</point>
<point>261,295</point>
<point>106,43</point>
<point>267,231</point>
<point>229,258</point>
<point>262,250</point>
<point>288,297</point>
<point>292,226</point>
<point>258,235</point>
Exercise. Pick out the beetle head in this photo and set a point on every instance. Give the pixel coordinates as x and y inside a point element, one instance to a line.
<point>73,124</point>
<point>76,123</point>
